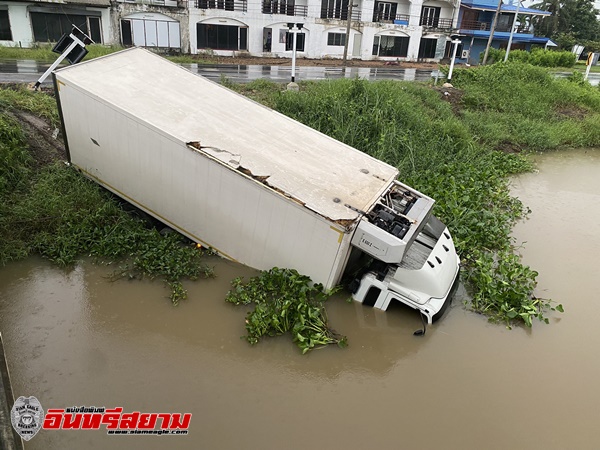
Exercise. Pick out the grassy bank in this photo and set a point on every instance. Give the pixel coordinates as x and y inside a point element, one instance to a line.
<point>448,146</point>
<point>53,211</point>
<point>519,106</point>
<point>44,52</point>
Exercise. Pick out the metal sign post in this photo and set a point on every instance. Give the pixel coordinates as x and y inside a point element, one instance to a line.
<point>68,42</point>
<point>295,32</point>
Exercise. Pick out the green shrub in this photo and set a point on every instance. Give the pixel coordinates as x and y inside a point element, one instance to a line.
<point>285,302</point>
<point>535,57</point>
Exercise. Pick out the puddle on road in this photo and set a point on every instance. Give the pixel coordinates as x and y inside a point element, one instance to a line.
<point>73,338</point>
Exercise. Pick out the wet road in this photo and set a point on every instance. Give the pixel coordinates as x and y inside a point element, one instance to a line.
<point>74,338</point>
<point>27,71</point>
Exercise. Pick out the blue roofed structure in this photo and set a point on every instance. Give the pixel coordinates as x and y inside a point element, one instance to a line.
<point>475,22</point>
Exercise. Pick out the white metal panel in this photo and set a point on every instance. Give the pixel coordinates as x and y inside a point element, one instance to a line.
<point>174,35</point>
<point>162,31</point>
<point>297,160</point>
<point>139,32</point>
<point>150,27</point>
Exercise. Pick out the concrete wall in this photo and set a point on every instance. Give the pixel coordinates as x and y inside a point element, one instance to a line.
<point>20,25</point>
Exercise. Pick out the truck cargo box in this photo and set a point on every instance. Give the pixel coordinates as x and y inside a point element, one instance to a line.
<point>256,186</point>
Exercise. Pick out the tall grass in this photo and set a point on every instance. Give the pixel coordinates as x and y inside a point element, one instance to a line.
<point>38,103</point>
<point>14,159</point>
<point>55,212</point>
<point>524,106</point>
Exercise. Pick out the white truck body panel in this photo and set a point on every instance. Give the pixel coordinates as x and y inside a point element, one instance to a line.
<point>255,185</point>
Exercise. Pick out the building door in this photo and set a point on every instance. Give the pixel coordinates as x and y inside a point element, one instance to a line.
<point>356,44</point>
<point>427,48</point>
<point>267,40</point>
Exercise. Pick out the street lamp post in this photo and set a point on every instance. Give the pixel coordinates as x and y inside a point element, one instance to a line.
<point>295,32</point>
<point>455,42</point>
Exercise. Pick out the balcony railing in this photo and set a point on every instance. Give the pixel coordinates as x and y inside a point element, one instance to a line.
<point>227,5</point>
<point>486,26</point>
<point>430,22</point>
<point>275,7</point>
<point>382,17</point>
<point>339,13</point>
<point>168,3</point>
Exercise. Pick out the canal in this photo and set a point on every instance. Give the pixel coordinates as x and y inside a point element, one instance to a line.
<point>74,338</point>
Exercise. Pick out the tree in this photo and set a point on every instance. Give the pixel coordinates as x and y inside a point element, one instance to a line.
<point>569,17</point>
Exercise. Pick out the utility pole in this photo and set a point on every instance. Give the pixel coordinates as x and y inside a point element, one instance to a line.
<point>348,23</point>
<point>512,31</point>
<point>492,29</point>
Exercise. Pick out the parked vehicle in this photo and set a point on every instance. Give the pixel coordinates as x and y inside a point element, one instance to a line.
<point>251,183</point>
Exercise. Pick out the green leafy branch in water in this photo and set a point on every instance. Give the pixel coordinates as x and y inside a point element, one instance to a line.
<point>285,301</point>
<point>166,256</point>
<point>505,289</point>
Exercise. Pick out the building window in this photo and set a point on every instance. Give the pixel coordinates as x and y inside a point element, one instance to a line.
<point>289,42</point>
<point>5,33</point>
<point>150,33</point>
<point>390,46</point>
<point>95,29</point>
<point>336,39</point>
<point>222,37</point>
<point>427,48</point>
<point>287,7</point>
<point>50,26</point>
<point>334,9</point>
<point>450,48</point>
<point>430,16</point>
<point>384,11</point>
<point>227,5</point>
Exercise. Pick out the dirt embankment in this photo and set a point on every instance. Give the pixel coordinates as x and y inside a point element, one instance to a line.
<point>44,140</point>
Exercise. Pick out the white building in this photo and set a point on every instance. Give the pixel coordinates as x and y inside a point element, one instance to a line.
<point>389,30</point>
<point>24,23</point>
<point>401,29</point>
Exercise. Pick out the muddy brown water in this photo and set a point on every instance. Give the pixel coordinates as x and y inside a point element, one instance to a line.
<point>73,338</point>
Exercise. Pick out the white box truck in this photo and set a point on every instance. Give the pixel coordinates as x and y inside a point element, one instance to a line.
<point>251,183</point>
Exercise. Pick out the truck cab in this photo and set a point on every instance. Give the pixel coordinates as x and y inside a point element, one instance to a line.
<point>406,254</point>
